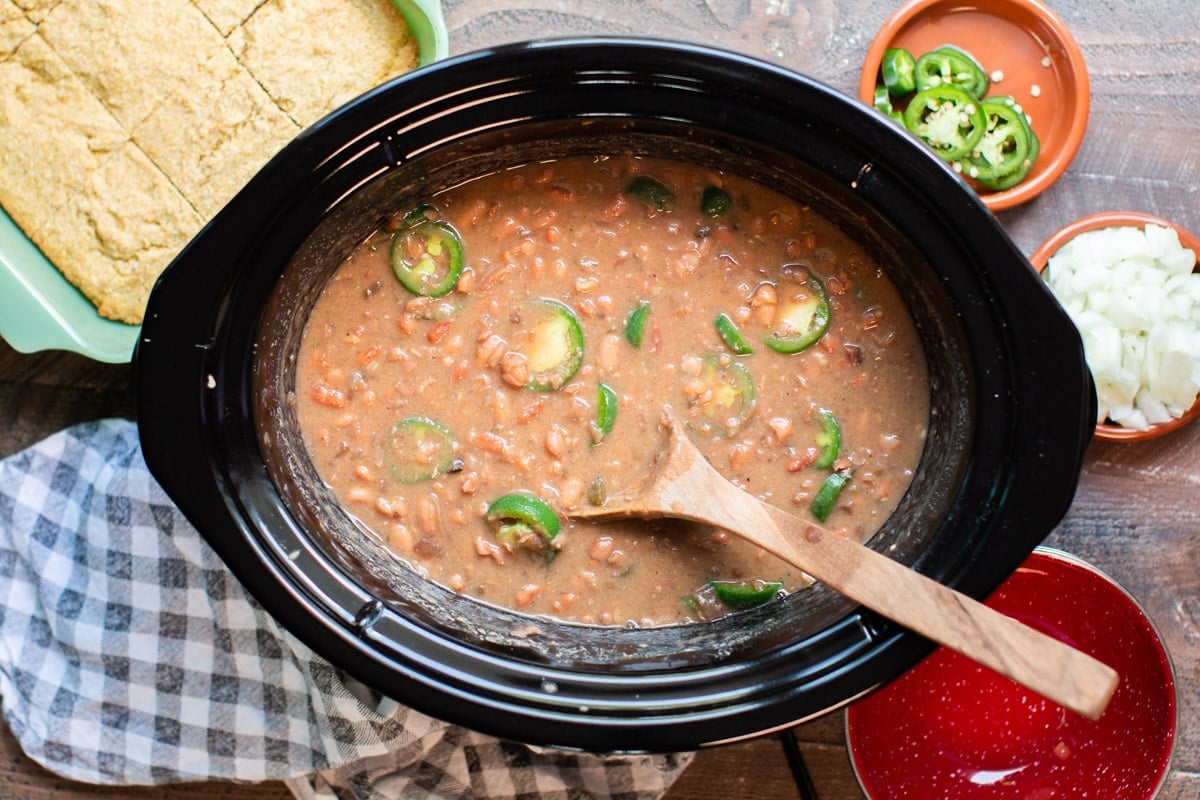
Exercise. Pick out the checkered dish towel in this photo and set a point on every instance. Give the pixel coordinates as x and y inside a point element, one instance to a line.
<point>129,654</point>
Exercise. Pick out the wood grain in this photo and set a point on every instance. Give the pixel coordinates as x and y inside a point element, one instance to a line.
<point>1136,514</point>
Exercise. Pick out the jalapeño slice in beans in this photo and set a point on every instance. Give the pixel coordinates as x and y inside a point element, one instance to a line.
<point>714,201</point>
<point>827,495</point>
<point>1004,148</point>
<point>951,66</point>
<point>427,257</point>
<point>801,317</point>
<point>730,335</point>
<point>829,439</point>
<point>421,212</point>
<point>899,71</point>
<point>555,344</point>
<point>606,411</point>
<point>418,449</point>
<point>727,394</point>
<point>651,192</point>
<point>947,119</point>
<point>523,521</point>
<point>745,594</point>
<point>635,323</point>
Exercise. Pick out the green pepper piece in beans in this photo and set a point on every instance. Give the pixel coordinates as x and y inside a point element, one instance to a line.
<point>730,335</point>
<point>951,66</point>
<point>829,439</point>
<point>417,449</point>
<point>635,323</point>
<point>899,71</point>
<point>714,201</point>
<point>606,411</point>
<point>555,343</point>
<point>801,317</point>
<point>827,495</point>
<point>427,257</point>
<point>421,212</point>
<point>745,594</point>
<point>651,192</point>
<point>524,522</point>
<point>947,119</point>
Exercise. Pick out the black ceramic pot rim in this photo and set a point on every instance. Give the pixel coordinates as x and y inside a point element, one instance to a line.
<point>1032,398</point>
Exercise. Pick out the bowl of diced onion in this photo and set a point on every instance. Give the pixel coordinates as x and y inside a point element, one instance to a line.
<point>1129,281</point>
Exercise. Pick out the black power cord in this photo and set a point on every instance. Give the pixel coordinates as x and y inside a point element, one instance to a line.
<point>795,760</point>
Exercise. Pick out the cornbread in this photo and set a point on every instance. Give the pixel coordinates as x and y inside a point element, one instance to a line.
<point>73,180</point>
<point>14,27</point>
<point>125,126</point>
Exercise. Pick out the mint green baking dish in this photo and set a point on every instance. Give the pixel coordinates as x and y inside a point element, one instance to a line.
<point>42,310</point>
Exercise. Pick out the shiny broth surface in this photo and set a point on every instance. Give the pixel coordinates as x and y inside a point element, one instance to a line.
<point>592,293</point>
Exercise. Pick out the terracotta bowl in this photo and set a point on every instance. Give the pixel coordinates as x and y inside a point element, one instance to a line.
<point>954,725</point>
<point>1108,219</point>
<point>1031,46</point>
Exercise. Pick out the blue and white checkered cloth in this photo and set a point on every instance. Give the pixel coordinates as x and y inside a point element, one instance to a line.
<point>129,654</point>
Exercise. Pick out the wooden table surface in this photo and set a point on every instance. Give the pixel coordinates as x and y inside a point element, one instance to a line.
<point>1136,514</point>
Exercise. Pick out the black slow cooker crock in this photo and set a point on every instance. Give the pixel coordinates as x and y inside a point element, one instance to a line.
<point>1013,405</point>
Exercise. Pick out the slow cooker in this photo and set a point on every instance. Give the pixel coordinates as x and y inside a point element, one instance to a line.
<point>1013,405</point>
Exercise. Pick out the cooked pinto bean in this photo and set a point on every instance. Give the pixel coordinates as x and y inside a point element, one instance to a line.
<point>499,382</point>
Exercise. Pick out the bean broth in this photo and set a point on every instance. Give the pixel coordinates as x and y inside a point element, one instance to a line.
<point>592,292</point>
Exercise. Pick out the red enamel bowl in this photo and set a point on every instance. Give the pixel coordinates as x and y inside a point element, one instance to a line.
<point>951,728</point>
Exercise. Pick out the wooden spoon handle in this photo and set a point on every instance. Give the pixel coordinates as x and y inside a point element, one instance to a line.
<point>1033,659</point>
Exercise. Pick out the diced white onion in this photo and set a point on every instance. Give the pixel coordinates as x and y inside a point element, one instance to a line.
<point>1135,299</point>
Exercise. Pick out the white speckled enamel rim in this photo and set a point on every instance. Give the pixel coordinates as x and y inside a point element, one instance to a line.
<point>1061,555</point>
<point>41,310</point>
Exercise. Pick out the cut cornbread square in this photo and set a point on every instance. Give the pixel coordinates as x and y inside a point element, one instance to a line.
<point>134,54</point>
<point>212,137</point>
<point>362,44</point>
<point>87,196</point>
<point>15,27</point>
<point>36,10</point>
<point>227,14</point>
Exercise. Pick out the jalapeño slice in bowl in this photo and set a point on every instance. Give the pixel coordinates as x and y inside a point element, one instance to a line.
<point>427,257</point>
<point>898,71</point>
<point>951,66</point>
<point>554,343</point>
<point>1005,146</point>
<point>1000,184</point>
<point>948,119</point>
<point>417,449</point>
<point>801,317</point>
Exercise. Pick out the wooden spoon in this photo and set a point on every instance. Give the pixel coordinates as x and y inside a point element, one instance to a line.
<point>685,486</point>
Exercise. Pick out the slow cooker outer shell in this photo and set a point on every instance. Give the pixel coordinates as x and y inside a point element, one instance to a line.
<point>1032,397</point>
